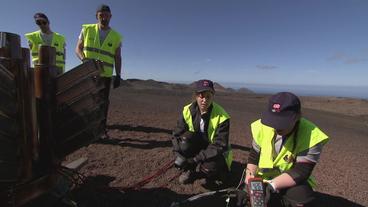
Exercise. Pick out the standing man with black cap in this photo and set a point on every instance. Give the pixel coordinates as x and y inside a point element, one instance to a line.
<point>285,149</point>
<point>201,138</point>
<point>45,36</point>
<point>100,42</point>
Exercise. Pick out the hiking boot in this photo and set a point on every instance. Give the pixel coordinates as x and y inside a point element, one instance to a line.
<point>212,184</point>
<point>187,177</point>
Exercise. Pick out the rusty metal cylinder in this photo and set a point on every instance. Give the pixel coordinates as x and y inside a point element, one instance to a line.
<point>47,55</point>
<point>44,67</point>
<point>10,45</point>
<point>45,77</point>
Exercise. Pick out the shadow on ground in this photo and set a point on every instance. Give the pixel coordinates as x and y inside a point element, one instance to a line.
<point>96,192</point>
<point>139,128</point>
<point>323,200</point>
<point>136,143</point>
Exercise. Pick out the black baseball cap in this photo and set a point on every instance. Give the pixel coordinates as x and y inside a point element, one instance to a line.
<point>282,111</point>
<point>40,16</point>
<point>102,8</point>
<point>204,85</point>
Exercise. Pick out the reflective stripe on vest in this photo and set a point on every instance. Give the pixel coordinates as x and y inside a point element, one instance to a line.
<point>308,135</point>
<point>218,116</point>
<point>93,49</point>
<point>58,41</point>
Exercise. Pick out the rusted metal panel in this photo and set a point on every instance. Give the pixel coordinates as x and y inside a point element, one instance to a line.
<point>79,111</point>
<point>80,72</point>
<point>9,162</point>
<point>86,86</point>
<point>9,129</point>
<point>7,92</point>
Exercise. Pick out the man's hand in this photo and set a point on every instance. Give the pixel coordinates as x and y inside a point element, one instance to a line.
<point>116,81</point>
<point>241,198</point>
<point>248,175</point>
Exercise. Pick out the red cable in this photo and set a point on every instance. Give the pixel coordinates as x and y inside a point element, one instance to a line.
<point>147,179</point>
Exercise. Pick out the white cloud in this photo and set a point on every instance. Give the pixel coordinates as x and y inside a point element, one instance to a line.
<point>346,59</point>
<point>266,67</point>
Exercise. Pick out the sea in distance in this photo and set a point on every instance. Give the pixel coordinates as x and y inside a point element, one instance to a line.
<point>360,92</point>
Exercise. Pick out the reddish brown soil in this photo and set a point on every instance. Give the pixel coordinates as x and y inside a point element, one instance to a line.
<point>140,124</point>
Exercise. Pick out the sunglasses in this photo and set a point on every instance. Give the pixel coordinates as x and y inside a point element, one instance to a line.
<point>41,22</point>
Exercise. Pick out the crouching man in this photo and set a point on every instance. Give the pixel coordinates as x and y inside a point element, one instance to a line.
<point>285,149</point>
<point>201,138</point>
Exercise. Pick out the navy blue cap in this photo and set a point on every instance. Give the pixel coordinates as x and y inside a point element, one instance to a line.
<point>102,8</point>
<point>204,85</point>
<point>40,16</point>
<point>282,111</point>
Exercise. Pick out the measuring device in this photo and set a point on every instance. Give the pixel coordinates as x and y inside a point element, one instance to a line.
<point>256,192</point>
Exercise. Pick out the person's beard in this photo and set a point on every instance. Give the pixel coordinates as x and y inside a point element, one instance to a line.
<point>105,23</point>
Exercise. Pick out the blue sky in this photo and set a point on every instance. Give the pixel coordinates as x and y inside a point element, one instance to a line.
<point>305,42</point>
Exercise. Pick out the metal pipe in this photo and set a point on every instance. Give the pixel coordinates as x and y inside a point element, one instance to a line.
<point>45,74</point>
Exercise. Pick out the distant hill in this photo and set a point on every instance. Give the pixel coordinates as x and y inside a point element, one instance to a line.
<point>153,84</point>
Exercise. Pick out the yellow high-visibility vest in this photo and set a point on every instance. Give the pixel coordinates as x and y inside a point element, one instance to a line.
<point>308,135</point>
<point>105,52</point>
<point>58,41</point>
<point>218,116</point>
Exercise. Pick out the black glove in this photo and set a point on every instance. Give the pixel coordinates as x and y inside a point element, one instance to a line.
<point>186,136</point>
<point>116,81</point>
<point>241,198</point>
<point>269,191</point>
<point>190,164</point>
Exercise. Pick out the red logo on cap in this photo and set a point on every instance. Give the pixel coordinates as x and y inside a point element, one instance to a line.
<point>276,107</point>
<point>206,83</point>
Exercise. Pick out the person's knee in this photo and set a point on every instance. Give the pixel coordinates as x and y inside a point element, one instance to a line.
<point>300,195</point>
<point>213,168</point>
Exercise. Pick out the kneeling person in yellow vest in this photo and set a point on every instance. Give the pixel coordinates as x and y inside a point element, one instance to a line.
<point>201,139</point>
<point>45,36</point>
<point>101,42</point>
<point>285,149</point>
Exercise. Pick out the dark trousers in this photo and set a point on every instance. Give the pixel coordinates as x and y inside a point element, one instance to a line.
<point>214,168</point>
<point>106,92</point>
<point>297,196</point>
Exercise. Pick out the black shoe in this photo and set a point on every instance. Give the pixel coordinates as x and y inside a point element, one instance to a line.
<point>212,184</point>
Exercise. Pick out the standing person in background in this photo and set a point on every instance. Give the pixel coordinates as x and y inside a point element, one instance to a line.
<point>100,42</point>
<point>201,139</point>
<point>45,36</point>
<point>285,149</point>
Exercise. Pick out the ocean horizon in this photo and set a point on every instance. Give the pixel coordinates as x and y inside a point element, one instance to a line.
<point>360,92</point>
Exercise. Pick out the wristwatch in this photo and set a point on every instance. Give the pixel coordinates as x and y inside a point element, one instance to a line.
<point>272,184</point>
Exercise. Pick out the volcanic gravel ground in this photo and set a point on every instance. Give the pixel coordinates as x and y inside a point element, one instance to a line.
<point>139,127</point>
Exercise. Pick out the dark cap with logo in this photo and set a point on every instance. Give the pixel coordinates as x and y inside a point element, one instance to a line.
<point>204,85</point>
<point>282,111</point>
<point>103,8</point>
<point>40,16</point>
